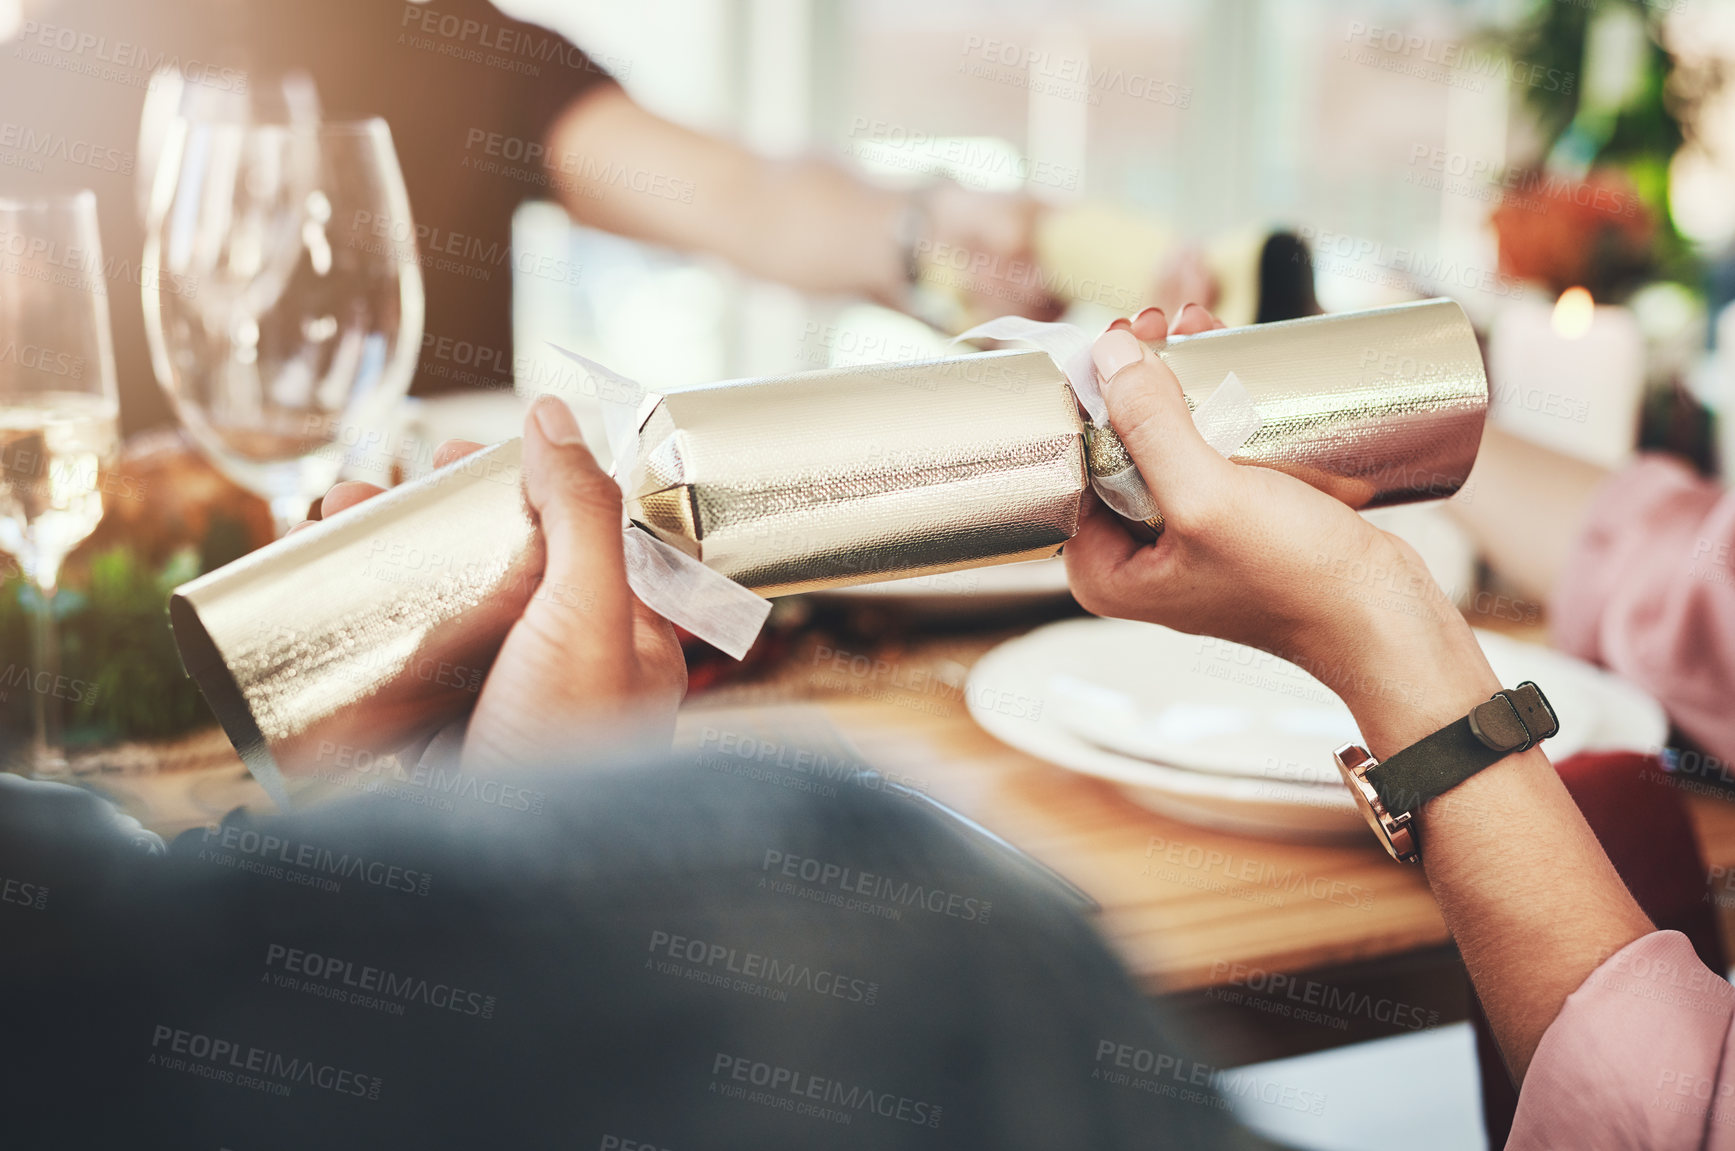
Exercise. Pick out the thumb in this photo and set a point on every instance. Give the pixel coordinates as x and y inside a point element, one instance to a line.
<point>1151,417</point>
<point>579,508</point>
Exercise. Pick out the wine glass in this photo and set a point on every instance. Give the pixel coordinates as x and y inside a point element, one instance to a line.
<point>291,98</point>
<point>285,315</point>
<point>59,420</point>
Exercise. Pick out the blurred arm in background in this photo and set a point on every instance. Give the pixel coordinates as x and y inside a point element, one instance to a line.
<point>801,221</point>
<point>1525,504</point>
<point>1637,568</point>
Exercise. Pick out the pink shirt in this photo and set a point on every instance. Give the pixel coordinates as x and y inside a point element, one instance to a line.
<point>1641,1056</point>
<point>1650,593</point>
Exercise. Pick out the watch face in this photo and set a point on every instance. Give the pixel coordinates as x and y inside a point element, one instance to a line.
<point>1393,833</point>
<point>1364,795</point>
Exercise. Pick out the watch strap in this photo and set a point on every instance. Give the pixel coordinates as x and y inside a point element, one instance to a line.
<point>1507,723</point>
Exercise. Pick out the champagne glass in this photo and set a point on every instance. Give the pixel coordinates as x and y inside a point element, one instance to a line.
<point>285,317</point>
<point>59,420</point>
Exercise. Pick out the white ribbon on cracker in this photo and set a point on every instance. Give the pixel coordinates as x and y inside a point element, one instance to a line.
<point>1125,493</point>
<point>666,579</point>
<point>1227,419</point>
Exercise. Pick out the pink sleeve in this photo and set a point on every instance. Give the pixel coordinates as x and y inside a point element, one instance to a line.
<point>1650,593</point>
<point>1635,1059</point>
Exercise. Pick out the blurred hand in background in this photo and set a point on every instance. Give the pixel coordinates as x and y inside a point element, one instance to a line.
<point>980,248</point>
<point>1183,278</point>
<point>804,222</point>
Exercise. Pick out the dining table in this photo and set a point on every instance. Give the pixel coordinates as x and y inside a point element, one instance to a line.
<point>1263,948</point>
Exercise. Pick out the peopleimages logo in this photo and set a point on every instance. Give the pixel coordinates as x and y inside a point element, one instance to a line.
<point>1012,277</point>
<point>768,760</point>
<point>56,263</point>
<point>750,972</point>
<point>1174,1077</point>
<point>361,985</point>
<point>257,1068</point>
<point>531,162</point>
<point>40,359</point>
<point>135,65</point>
<point>1446,170</point>
<point>1373,261</point>
<point>42,683</point>
<point>1394,50</point>
<point>1063,76</point>
<point>276,858</point>
<point>1309,1000</point>
<point>786,1089</point>
<point>1287,880</point>
<point>380,774</point>
<point>42,145</point>
<point>901,893</point>
<point>511,49</point>
<point>22,894</point>
<point>970,161</point>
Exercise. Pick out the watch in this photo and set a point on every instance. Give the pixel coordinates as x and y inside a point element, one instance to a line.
<point>1390,793</point>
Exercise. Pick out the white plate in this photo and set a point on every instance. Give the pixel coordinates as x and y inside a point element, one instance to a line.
<point>1208,705</point>
<point>1233,738</point>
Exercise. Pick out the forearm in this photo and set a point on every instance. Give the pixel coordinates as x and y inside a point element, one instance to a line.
<point>1529,895</point>
<point>1521,880</point>
<point>1525,505</point>
<point>805,223</point>
<point>1525,888</point>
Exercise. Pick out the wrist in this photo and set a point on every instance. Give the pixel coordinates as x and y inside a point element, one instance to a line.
<point>909,223</point>
<point>1412,690</point>
<point>1404,674</point>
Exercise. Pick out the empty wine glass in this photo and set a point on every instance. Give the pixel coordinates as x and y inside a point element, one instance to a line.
<point>291,98</point>
<point>59,421</point>
<point>286,311</point>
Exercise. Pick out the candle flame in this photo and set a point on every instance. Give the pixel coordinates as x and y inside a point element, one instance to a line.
<point>1573,313</point>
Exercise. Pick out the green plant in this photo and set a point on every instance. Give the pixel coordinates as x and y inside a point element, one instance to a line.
<point>1638,135</point>
<point>116,645</point>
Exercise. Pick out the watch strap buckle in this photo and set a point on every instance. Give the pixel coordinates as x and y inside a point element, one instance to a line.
<point>1515,720</point>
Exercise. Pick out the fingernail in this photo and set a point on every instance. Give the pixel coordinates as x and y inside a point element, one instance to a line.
<point>1148,311</point>
<point>556,422</point>
<point>1113,351</point>
<point>1121,325</point>
<point>1187,307</point>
